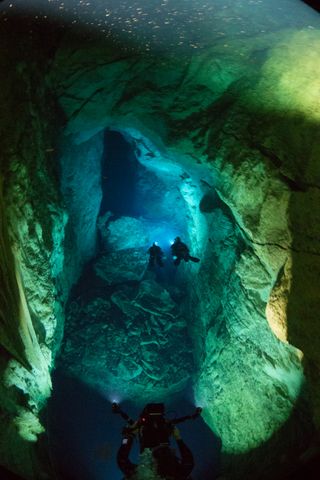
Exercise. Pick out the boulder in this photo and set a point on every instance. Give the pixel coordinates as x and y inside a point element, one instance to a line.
<point>122,266</point>
<point>124,233</point>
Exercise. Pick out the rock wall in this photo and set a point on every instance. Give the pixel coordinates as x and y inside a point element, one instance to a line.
<point>32,225</point>
<point>38,265</point>
<point>80,183</point>
<point>243,117</point>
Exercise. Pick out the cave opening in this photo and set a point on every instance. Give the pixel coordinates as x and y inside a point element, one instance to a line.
<point>127,331</point>
<point>140,205</point>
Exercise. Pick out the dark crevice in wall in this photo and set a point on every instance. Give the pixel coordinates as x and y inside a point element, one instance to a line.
<point>277,245</point>
<point>119,176</point>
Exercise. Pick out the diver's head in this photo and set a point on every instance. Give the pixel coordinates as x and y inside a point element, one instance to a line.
<point>152,410</point>
<point>177,239</point>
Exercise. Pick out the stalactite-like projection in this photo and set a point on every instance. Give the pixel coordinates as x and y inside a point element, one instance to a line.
<point>12,320</point>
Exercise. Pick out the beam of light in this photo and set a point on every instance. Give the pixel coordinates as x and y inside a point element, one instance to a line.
<point>113,397</point>
<point>291,76</point>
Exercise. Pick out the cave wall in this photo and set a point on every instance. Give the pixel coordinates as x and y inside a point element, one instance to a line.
<point>32,224</point>
<point>38,265</point>
<point>243,116</point>
<point>80,184</point>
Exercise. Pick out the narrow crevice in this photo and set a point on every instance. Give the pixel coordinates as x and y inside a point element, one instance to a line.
<point>272,244</point>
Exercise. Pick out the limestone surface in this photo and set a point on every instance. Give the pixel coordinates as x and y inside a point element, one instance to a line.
<point>125,233</point>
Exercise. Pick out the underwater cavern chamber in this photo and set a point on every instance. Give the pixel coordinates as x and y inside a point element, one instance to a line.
<point>141,312</point>
<point>126,332</point>
<point>252,216</point>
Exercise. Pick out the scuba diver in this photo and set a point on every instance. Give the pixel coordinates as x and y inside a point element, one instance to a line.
<point>180,251</point>
<point>153,431</point>
<point>156,255</point>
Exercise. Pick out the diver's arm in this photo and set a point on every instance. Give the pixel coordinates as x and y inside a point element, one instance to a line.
<point>125,465</point>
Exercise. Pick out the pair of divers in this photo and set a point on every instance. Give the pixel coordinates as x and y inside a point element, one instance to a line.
<point>179,251</point>
<point>153,431</point>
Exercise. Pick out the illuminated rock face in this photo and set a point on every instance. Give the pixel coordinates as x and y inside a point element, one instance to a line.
<point>81,191</point>
<point>32,232</point>
<point>236,128</point>
<point>244,149</point>
<point>37,265</point>
<point>232,127</point>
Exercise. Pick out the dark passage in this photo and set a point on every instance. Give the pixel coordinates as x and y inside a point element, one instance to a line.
<point>119,176</point>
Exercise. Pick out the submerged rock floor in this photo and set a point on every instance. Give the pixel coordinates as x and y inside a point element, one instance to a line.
<point>127,328</point>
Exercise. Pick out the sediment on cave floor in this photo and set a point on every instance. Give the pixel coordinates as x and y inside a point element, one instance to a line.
<point>134,316</point>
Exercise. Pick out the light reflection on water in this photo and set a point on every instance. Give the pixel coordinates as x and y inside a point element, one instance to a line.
<point>170,25</point>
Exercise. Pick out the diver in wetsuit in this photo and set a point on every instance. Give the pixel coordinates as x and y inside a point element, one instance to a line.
<point>180,251</point>
<point>154,432</point>
<point>155,255</point>
<point>169,466</point>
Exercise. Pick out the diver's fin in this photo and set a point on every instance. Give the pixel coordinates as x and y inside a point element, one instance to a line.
<point>194,259</point>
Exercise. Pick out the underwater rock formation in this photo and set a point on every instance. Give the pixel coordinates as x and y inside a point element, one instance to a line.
<point>118,267</point>
<point>130,340</point>
<point>239,128</point>
<point>231,133</point>
<point>235,127</point>
<point>32,232</point>
<point>81,190</point>
<point>124,233</point>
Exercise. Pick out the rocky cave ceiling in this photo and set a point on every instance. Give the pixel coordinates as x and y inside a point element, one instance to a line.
<point>224,142</point>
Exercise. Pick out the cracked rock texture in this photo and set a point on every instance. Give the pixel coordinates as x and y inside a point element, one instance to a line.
<point>32,231</point>
<point>130,340</point>
<point>118,267</point>
<point>37,267</point>
<point>81,191</point>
